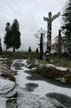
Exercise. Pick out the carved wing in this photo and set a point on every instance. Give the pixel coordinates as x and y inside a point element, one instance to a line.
<point>45,18</point>
<point>56,16</point>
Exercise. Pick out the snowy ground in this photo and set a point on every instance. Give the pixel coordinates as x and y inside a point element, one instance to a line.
<point>40,90</point>
<point>30,93</point>
<point>43,87</point>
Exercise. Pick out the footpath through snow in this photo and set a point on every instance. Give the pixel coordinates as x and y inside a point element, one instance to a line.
<point>31,96</point>
<point>30,93</point>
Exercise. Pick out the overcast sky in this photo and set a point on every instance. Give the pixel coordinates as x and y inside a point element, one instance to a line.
<point>30,16</point>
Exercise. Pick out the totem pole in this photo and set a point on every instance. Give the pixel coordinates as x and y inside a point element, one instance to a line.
<point>49,20</point>
<point>59,42</point>
<point>41,45</point>
<point>40,35</point>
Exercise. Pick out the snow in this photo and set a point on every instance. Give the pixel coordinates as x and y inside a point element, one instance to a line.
<point>2,102</point>
<point>43,87</point>
<point>25,99</point>
<point>28,100</point>
<point>56,67</point>
<point>6,86</point>
<point>50,65</point>
<point>61,68</point>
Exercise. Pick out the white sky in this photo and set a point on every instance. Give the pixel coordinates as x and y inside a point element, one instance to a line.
<point>30,16</point>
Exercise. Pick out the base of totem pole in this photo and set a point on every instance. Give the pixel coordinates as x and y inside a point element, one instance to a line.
<point>41,56</point>
<point>48,56</point>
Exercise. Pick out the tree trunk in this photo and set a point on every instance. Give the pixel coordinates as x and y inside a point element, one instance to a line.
<point>14,49</point>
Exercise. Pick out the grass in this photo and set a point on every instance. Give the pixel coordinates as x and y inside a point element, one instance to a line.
<point>62,62</point>
<point>42,62</point>
<point>20,55</point>
<point>57,60</point>
<point>52,74</point>
<point>38,77</point>
<point>49,72</point>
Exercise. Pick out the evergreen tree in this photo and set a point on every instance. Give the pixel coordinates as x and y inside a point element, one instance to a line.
<point>12,36</point>
<point>29,50</point>
<point>67,25</point>
<point>15,35</point>
<point>7,38</point>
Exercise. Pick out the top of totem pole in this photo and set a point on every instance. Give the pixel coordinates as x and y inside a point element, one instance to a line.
<point>41,31</point>
<point>50,14</point>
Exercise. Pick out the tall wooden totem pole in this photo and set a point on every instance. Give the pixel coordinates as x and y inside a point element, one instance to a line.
<point>40,35</point>
<point>41,45</point>
<point>49,20</point>
<point>59,42</point>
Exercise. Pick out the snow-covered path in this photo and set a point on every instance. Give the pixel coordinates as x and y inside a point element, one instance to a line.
<point>31,93</point>
<point>34,91</point>
<point>42,88</point>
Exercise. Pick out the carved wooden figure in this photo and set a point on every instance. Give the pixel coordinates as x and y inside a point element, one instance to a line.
<point>49,20</point>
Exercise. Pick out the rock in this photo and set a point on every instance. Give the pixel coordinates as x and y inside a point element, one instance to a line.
<point>6,86</point>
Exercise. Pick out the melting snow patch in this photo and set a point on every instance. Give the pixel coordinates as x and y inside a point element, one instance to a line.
<point>61,68</point>
<point>28,100</point>
<point>50,65</point>
<point>37,98</point>
<point>2,102</point>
